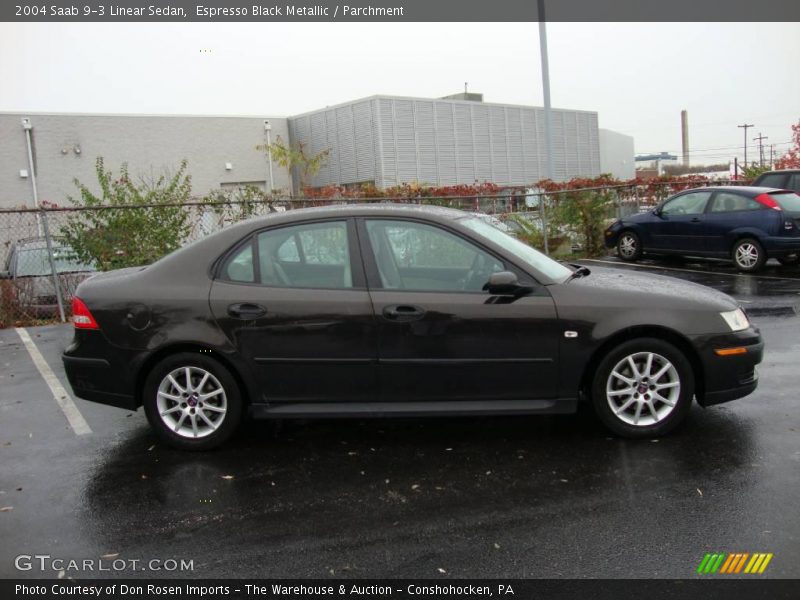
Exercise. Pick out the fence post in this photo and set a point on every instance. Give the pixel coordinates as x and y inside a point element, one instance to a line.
<point>53,270</point>
<point>543,215</point>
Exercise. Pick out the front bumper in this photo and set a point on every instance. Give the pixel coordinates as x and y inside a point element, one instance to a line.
<point>727,378</point>
<point>611,235</point>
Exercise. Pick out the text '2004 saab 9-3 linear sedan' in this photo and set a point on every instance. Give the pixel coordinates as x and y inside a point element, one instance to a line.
<point>392,310</point>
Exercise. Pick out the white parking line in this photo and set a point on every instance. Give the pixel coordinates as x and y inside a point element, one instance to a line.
<point>637,266</point>
<point>60,395</point>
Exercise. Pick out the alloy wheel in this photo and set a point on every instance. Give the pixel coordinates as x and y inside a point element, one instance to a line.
<point>191,402</point>
<point>643,389</point>
<point>627,246</point>
<point>747,255</point>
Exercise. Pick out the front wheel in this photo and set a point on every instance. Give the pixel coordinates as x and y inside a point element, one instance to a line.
<point>748,255</point>
<point>192,401</point>
<point>629,246</point>
<point>643,388</point>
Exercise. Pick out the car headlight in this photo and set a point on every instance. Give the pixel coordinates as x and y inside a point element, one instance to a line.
<point>736,319</point>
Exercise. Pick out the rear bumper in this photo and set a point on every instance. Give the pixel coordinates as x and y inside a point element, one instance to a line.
<point>106,380</point>
<point>781,246</point>
<point>727,378</point>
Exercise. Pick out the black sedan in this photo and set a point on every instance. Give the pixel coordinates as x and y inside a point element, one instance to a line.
<point>745,224</point>
<point>391,310</point>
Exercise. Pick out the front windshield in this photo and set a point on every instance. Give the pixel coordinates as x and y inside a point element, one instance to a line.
<point>534,258</point>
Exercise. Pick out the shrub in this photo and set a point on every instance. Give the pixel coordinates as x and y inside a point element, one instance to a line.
<point>129,223</point>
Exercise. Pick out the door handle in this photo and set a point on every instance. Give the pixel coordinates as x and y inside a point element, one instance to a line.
<point>695,220</point>
<point>246,310</point>
<point>403,312</point>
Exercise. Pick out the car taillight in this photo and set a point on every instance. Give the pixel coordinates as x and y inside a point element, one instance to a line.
<point>81,317</point>
<point>768,201</point>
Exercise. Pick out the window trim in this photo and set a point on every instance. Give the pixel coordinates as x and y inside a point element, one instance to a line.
<point>357,271</point>
<point>374,281</point>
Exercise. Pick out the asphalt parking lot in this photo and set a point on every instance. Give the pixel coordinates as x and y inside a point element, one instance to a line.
<point>501,497</point>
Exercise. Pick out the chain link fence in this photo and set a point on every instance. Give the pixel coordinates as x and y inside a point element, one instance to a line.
<point>47,252</point>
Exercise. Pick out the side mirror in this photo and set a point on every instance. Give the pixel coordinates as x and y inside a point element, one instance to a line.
<point>505,283</point>
<point>657,211</point>
<point>5,275</point>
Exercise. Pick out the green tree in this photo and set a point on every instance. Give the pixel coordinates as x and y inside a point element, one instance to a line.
<point>585,214</point>
<point>129,223</point>
<point>754,170</point>
<point>296,157</point>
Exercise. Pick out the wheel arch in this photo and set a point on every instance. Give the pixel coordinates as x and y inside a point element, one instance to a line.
<point>156,357</point>
<point>641,331</point>
<point>739,234</point>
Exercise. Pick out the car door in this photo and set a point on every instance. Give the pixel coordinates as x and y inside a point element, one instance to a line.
<point>294,303</point>
<point>727,211</point>
<point>440,336</point>
<point>680,223</point>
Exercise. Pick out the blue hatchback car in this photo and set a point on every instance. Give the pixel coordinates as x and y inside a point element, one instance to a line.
<point>745,224</point>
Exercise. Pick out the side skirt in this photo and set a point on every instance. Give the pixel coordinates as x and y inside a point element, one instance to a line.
<point>442,408</point>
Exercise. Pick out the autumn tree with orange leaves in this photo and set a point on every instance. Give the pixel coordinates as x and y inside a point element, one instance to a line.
<point>791,160</point>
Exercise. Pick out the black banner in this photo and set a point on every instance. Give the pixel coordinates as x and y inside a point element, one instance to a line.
<point>429,589</point>
<point>398,10</point>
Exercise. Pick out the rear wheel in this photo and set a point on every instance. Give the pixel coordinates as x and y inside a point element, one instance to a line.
<point>748,255</point>
<point>643,388</point>
<point>192,401</point>
<point>629,247</point>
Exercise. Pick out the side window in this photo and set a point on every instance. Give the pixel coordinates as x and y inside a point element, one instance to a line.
<point>773,180</point>
<point>728,202</point>
<point>313,255</point>
<point>693,203</point>
<point>416,256</point>
<point>794,183</point>
<point>239,267</point>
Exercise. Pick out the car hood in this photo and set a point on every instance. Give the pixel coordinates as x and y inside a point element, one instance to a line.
<point>641,217</point>
<point>645,290</point>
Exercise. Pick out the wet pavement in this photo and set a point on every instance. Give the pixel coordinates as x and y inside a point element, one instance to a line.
<point>458,497</point>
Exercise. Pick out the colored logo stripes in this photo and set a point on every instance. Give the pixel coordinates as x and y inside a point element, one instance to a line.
<point>734,563</point>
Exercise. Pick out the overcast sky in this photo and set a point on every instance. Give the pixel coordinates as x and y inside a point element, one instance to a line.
<point>637,76</point>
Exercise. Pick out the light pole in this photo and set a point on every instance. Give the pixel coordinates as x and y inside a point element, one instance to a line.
<point>548,130</point>
<point>271,183</point>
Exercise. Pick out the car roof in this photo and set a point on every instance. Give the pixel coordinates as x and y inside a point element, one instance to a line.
<point>749,190</point>
<point>393,209</point>
<point>35,243</point>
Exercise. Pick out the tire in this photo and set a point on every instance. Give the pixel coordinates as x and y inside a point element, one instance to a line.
<point>198,418</point>
<point>629,246</point>
<point>638,414</point>
<point>748,255</point>
<point>788,261</point>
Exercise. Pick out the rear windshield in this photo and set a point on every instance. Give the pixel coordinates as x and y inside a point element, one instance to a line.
<point>35,262</point>
<point>788,201</point>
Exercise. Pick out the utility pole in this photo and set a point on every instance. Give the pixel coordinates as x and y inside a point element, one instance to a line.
<point>745,127</point>
<point>548,129</point>
<point>760,139</point>
<point>771,155</point>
